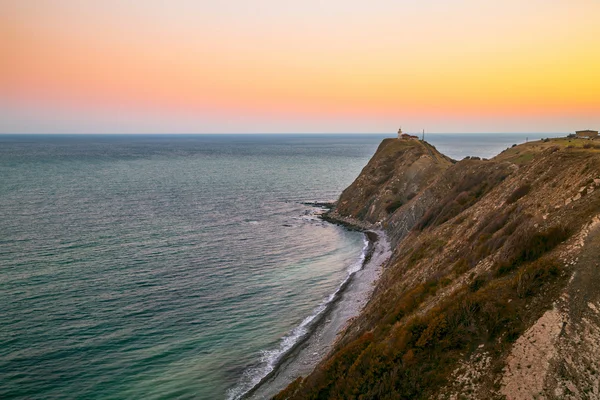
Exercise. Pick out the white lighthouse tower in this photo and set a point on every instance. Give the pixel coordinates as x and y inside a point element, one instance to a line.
<point>400,133</point>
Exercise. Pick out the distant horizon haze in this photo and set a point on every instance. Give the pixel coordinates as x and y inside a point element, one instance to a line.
<point>382,134</point>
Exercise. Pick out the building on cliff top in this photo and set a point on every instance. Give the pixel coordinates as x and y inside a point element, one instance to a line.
<point>587,133</point>
<point>405,136</point>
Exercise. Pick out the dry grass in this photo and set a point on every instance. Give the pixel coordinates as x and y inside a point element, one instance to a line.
<point>407,356</point>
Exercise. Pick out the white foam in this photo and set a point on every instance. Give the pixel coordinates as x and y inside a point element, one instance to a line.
<point>270,358</point>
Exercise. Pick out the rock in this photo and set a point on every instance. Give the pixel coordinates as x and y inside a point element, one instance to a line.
<point>568,201</point>
<point>396,167</point>
<point>577,197</point>
<point>581,189</point>
<point>597,182</point>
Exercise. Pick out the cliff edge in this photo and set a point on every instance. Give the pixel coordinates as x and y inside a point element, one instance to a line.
<point>492,287</point>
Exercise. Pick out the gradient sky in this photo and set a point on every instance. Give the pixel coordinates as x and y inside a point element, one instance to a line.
<point>305,66</point>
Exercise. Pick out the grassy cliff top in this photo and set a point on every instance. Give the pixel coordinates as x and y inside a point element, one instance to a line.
<point>524,153</point>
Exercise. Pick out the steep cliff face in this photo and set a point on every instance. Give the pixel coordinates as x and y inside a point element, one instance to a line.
<point>492,289</point>
<point>391,186</point>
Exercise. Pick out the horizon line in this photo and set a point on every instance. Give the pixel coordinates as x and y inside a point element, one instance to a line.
<point>273,133</point>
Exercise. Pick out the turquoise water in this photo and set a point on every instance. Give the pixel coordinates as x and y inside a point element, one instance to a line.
<point>147,267</point>
<point>163,267</point>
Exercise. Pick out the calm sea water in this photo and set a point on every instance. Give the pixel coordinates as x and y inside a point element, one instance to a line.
<point>147,267</point>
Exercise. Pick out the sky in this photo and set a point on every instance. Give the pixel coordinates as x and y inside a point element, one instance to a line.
<point>276,66</point>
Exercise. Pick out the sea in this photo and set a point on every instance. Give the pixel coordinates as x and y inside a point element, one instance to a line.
<point>173,266</point>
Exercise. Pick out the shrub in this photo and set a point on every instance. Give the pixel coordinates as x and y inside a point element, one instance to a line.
<point>591,146</point>
<point>530,280</point>
<point>418,356</point>
<point>528,246</point>
<point>477,284</point>
<point>493,223</point>
<point>289,391</point>
<point>409,302</point>
<point>393,206</point>
<point>518,193</point>
<point>424,248</point>
<point>462,198</point>
<point>434,331</point>
<point>461,266</point>
<point>467,191</point>
<point>541,242</point>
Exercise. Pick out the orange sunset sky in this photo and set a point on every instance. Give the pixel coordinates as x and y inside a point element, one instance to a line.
<point>265,66</point>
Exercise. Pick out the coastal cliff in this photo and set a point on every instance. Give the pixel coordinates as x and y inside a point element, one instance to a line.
<point>492,287</point>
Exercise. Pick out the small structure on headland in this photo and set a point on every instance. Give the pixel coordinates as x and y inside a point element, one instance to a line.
<point>587,133</point>
<point>406,136</point>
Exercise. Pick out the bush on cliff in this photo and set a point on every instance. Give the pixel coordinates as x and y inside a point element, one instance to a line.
<point>518,193</point>
<point>473,185</point>
<point>393,206</point>
<point>411,356</point>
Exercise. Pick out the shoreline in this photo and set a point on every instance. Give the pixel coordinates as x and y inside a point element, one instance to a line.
<point>346,303</point>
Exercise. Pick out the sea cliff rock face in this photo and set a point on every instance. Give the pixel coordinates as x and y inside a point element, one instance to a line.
<point>493,288</point>
<point>391,188</point>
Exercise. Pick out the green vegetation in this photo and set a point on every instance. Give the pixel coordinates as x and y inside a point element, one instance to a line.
<point>523,158</point>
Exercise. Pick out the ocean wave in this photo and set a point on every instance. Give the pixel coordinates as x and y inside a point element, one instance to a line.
<point>270,359</point>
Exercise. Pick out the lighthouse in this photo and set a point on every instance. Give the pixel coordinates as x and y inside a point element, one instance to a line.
<point>406,136</point>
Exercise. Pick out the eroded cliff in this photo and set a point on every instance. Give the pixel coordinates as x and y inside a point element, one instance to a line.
<point>492,288</point>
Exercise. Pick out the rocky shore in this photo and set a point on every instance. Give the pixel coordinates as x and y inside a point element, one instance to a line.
<point>349,301</point>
